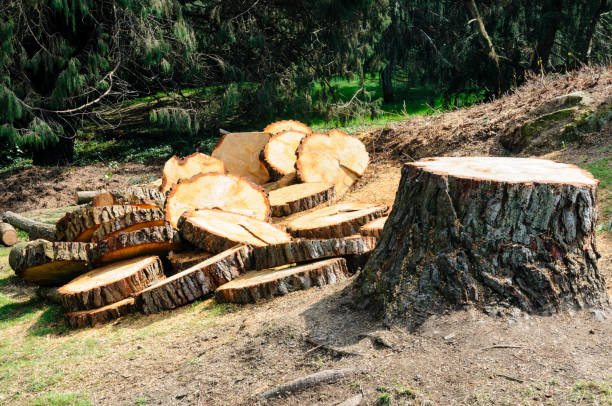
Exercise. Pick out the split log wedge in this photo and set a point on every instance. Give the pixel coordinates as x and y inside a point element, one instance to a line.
<point>35,229</point>
<point>132,221</point>
<point>138,196</point>
<point>101,315</point>
<point>212,190</point>
<point>216,230</point>
<point>300,197</point>
<point>194,282</point>
<point>286,125</point>
<point>111,283</point>
<point>50,263</point>
<point>8,235</point>
<point>183,260</point>
<point>295,252</point>
<point>79,225</point>
<point>177,168</point>
<point>280,153</point>
<point>257,285</point>
<point>240,154</point>
<point>339,220</point>
<point>374,228</point>
<point>335,158</point>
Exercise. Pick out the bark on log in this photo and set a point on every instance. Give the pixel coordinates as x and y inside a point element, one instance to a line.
<point>132,221</point>
<point>240,154</point>
<point>286,180</point>
<point>374,228</point>
<point>286,125</point>
<point>138,196</point>
<point>86,196</point>
<point>339,220</point>
<point>485,232</point>
<point>194,282</point>
<point>111,283</point>
<point>80,225</point>
<point>280,153</point>
<point>85,318</point>
<point>8,235</point>
<point>328,376</point>
<point>295,252</point>
<point>177,168</point>
<point>183,260</point>
<point>35,229</point>
<point>300,197</point>
<point>256,285</point>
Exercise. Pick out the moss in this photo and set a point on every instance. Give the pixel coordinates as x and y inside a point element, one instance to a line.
<point>591,121</point>
<point>533,128</point>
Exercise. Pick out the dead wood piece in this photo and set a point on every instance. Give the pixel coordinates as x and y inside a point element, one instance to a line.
<point>35,229</point>
<point>374,228</point>
<point>300,197</point>
<point>287,125</point>
<point>8,235</point>
<point>138,196</point>
<point>240,154</point>
<point>177,168</point>
<point>279,154</point>
<point>80,224</point>
<point>183,260</point>
<point>132,221</point>
<point>93,317</point>
<point>86,196</point>
<point>323,377</point>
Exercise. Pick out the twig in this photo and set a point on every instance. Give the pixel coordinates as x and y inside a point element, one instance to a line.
<point>327,376</point>
<point>493,347</point>
<point>329,348</point>
<point>510,378</point>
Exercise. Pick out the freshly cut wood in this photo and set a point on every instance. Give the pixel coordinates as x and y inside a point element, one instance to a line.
<point>287,125</point>
<point>101,315</point>
<point>138,196</point>
<point>177,168</point>
<point>213,190</point>
<point>35,229</point>
<point>111,283</point>
<point>374,228</point>
<point>256,285</point>
<point>216,230</point>
<point>300,197</point>
<point>80,224</point>
<point>303,250</point>
<point>240,154</point>
<point>480,231</point>
<point>50,263</point>
<point>132,221</point>
<point>183,260</point>
<point>334,157</point>
<point>8,235</point>
<point>282,182</point>
<point>280,153</point>
<point>339,220</point>
<point>86,196</point>
<point>194,282</point>
<point>146,241</point>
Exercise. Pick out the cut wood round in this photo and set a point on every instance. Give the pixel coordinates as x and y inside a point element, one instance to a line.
<point>86,196</point>
<point>212,190</point>
<point>35,229</point>
<point>183,260</point>
<point>287,125</point>
<point>280,155</point>
<point>374,228</point>
<point>485,232</point>
<point>300,197</point>
<point>111,283</point>
<point>177,168</point>
<point>286,180</point>
<point>334,157</point>
<point>240,154</point>
<point>50,263</point>
<point>194,282</point>
<point>256,285</point>
<point>80,224</point>
<point>304,250</point>
<point>85,318</point>
<point>138,196</point>
<point>146,241</point>
<point>217,230</point>
<point>339,220</point>
<point>8,235</point>
<point>132,221</point>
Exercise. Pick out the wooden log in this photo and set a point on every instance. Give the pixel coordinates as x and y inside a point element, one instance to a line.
<point>111,283</point>
<point>177,168</point>
<point>287,125</point>
<point>240,154</point>
<point>374,228</point>
<point>183,260</point>
<point>484,231</point>
<point>216,230</point>
<point>339,220</point>
<point>257,285</point>
<point>86,196</point>
<point>51,216</point>
<point>295,252</point>
<point>300,197</point>
<point>132,221</point>
<point>35,229</point>
<point>279,154</point>
<point>286,180</point>
<point>85,318</point>
<point>8,235</point>
<point>138,196</point>
<point>50,263</point>
<point>195,282</point>
<point>80,224</point>
<point>213,190</point>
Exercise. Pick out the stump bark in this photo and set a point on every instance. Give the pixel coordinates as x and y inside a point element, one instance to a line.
<point>79,225</point>
<point>300,197</point>
<point>141,197</point>
<point>132,221</point>
<point>487,232</point>
<point>84,318</point>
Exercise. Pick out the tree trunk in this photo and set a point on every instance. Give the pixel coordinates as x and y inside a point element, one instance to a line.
<point>61,153</point>
<point>386,81</point>
<point>551,12</point>
<point>473,11</point>
<point>487,232</point>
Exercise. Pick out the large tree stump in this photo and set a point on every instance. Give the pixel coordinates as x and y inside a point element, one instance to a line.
<point>487,232</point>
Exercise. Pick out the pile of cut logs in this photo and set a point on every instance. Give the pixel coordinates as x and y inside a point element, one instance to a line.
<point>258,218</point>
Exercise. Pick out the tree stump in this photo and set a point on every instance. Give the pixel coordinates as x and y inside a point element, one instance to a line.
<point>487,232</point>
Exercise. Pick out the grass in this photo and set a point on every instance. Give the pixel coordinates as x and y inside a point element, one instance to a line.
<point>602,169</point>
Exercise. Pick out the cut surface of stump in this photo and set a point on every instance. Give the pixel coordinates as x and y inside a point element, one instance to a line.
<point>240,153</point>
<point>287,125</point>
<point>300,197</point>
<point>217,230</point>
<point>339,220</point>
<point>50,263</point>
<point>183,260</point>
<point>374,228</point>
<point>304,250</point>
<point>93,317</point>
<point>177,168</point>
<point>280,153</point>
<point>79,225</point>
<point>212,190</point>
<point>8,235</point>
<point>146,241</point>
<point>111,283</point>
<point>132,221</point>
<point>194,282</point>
<point>484,232</point>
<point>256,285</point>
<point>334,157</point>
<point>137,196</point>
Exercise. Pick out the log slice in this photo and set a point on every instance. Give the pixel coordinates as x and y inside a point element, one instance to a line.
<point>286,125</point>
<point>374,228</point>
<point>8,235</point>
<point>132,221</point>
<point>183,260</point>
<point>93,317</point>
<point>240,153</point>
<point>177,168</point>
<point>280,153</point>
<point>79,225</point>
<point>300,197</point>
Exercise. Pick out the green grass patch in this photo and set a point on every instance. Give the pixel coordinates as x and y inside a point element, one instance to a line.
<point>60,399</point>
